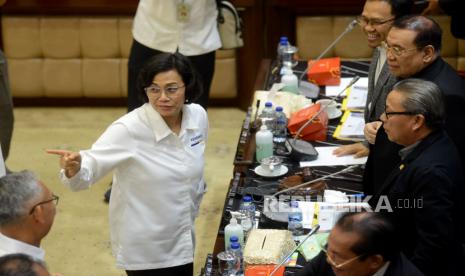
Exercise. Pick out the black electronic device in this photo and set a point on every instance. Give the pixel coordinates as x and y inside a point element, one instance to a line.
<point>301,150</point>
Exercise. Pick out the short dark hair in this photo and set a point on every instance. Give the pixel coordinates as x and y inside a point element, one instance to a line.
<point>400,8</point>
<point>18,265</point>
<point>377,234</point>
<point>423,97</point>
<point>428,31</point>
<point>165,62</point>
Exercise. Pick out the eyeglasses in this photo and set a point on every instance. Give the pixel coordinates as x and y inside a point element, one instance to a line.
<point>363,21</point>
<point>336,265</point>
<point>397,51</point>
<point>54,198</point>
<point>387,114</point>
<point>170,90</point>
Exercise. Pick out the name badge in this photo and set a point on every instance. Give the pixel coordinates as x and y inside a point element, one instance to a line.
<point>183,11</point>
<point>196,140</point>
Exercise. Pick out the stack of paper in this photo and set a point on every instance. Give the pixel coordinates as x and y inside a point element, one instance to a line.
<point>351,127</point>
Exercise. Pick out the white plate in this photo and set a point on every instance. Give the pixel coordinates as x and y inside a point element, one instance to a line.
<point>261,172</point>
<point>337,114</point>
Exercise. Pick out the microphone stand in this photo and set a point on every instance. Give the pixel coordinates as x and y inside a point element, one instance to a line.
<point>314,230</point>
<point>347,30</point>
<point>352,82</point>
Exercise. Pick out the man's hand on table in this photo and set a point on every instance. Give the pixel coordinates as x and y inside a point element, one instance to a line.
<point>358,149</point>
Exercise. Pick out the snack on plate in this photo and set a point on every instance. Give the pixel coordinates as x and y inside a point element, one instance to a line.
<point>267,246</point>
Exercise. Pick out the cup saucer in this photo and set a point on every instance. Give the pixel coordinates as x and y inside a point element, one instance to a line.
<point>335,115</point>
<point>278,172</point>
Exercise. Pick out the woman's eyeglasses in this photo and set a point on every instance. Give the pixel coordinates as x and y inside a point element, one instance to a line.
<point>169,90</point>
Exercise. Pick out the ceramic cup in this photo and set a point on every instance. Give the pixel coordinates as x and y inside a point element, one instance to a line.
<point>332,107</point>
<point>271,164</point>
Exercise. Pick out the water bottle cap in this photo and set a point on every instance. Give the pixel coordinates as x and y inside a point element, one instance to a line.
<point>283,40</point>
<point>279,108</point>
<point>234,239</point>
<point>268,104</point>
<point>247,198</point>
<point>263,127</point>
<point>294,203</point>
<point>235,245</point>
<point>233,221</point>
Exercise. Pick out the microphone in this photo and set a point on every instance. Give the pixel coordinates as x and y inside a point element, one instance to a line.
<point>347,30</point>
<point>348,169</point>
<point>303,149</point>
<point>314,230</point>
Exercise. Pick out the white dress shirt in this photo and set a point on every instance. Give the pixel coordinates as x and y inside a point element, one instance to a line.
<point>156,26</point>
<point>12,246</point>
<point>157,185</point>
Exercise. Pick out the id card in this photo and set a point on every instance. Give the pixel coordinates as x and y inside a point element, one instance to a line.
<point>183,11</point>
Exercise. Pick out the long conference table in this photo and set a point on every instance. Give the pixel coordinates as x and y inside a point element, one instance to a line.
<point>246,182</point>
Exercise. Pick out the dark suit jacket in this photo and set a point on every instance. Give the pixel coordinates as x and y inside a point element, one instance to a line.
<point>384,154</point>
<point>399,266</point>
<point>426,192</point>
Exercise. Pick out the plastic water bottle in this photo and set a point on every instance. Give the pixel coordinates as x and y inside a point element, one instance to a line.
<point>264,143</point>
<point>295,220</point>
<point>237,252</point>
<point>247,209</point>
<point>283,42</point>
<point>268,116</point>
<point>290,81</point>
<point>233,229</point>
<point>280,130</point>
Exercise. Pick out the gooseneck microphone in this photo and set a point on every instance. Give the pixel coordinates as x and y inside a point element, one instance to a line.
<point>352,82</point>
<point>283,260</point>
<point>303,150</point>
<point>347,30</point>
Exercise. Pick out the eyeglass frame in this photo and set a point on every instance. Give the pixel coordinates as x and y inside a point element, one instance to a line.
<point>397,53</point>
<point>54,198</point>
<point>364,21</point>
<point>339,266</point>
<point>387,114</point>
<point>169,94</point>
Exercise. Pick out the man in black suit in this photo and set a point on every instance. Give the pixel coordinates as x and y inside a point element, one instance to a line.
<point>413,51</point>
<point>424,193</point>
<point>361,244</point>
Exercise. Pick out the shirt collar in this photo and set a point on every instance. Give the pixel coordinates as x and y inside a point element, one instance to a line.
<point>408,149</point>
<point>160,128</point>
<point>382,270</point>
<point>15,246</point>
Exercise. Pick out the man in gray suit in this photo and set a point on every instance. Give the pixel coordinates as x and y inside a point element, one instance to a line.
<point>376,21</point>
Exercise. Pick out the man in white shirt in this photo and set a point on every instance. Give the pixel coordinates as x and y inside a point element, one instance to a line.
<point>27,211</point>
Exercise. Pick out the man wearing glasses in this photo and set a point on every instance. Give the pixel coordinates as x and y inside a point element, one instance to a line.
<point>361,244</point>
<point>376,21</point>
<point>413,51</point>
<point>27,211</point>
<point>425,190</point>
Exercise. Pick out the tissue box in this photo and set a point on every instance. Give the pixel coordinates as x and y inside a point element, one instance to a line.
<point>289,102</point>
<point>263,270</point>
<point>325,71</point>
<point>267,246</point>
